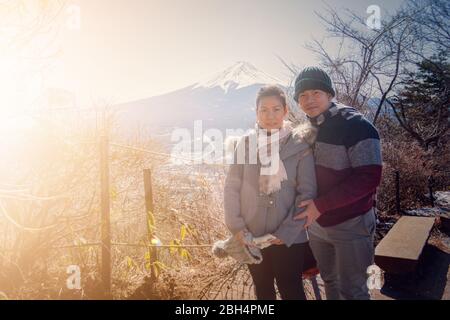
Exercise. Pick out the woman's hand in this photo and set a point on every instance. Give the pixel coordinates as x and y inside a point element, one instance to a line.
<point>241,238</point>
<point>277,241</point>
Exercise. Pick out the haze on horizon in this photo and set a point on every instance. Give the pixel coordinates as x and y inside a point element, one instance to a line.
<point>126,50</point>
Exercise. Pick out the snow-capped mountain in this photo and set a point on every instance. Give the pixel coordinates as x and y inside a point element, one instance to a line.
<point>224,101</point>
<point>240,75</point>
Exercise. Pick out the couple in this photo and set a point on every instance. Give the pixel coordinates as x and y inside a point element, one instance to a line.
<point>317,192</point>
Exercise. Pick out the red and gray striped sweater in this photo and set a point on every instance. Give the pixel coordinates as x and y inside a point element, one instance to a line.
<point>348,164</point>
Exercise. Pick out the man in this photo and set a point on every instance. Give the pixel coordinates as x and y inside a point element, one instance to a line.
<point>341,220</point>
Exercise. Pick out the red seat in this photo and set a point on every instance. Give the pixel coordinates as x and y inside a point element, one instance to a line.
<point>310,273</point>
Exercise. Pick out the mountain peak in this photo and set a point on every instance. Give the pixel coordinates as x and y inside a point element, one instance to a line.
<point>239,75</point>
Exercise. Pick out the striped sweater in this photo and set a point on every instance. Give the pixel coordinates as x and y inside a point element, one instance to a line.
<point>348,164</point>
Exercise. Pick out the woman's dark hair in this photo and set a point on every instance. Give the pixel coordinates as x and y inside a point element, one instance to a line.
<point>271,91</point>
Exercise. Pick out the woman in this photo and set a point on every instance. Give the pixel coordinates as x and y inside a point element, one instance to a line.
<point>261,196</point>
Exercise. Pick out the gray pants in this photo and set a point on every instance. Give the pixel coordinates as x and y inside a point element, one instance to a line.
<point>343,253</point>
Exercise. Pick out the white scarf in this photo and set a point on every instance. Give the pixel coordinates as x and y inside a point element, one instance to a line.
<point>272,171</point>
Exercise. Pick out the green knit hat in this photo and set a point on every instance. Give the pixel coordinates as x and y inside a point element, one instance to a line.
<point>313,78</point>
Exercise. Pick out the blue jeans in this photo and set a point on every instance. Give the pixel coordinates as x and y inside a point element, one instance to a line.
<point>343,253</point>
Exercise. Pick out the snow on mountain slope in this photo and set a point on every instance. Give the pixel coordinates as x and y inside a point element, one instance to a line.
<point>240,75</point>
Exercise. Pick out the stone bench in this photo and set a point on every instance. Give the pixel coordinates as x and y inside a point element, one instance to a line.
<point>399,251</point>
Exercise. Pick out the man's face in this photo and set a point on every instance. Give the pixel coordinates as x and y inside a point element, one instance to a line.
<point>314,102</point>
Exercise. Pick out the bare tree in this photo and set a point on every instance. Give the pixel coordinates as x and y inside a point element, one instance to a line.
<point>368,62</point>
<point>432,22</point>
<point>386,63</point>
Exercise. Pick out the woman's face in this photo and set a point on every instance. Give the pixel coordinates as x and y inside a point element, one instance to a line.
<point>314,102</point>
<point>270,113</point>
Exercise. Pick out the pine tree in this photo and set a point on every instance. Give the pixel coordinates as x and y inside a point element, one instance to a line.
<point>422,107</point>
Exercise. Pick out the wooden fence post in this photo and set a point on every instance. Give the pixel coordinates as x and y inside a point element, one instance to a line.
<point>397,191</point>
<point>430,190</point>
<point>148,189</point>
<point>105,216</point>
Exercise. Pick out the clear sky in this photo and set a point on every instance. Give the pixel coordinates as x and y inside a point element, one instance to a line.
<point>131,49</point>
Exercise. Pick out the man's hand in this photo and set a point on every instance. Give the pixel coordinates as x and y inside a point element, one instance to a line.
<point>311,213</point>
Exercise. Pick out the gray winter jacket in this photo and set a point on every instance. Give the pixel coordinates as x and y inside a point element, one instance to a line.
<point>246,207</point>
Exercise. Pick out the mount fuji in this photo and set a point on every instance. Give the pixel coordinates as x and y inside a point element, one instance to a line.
<point>224,101</point>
